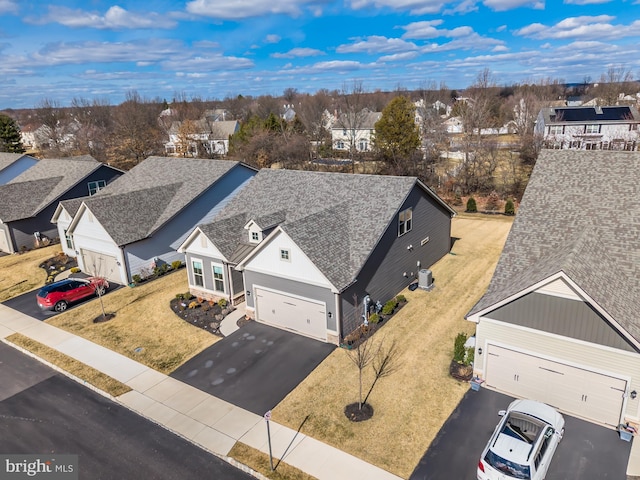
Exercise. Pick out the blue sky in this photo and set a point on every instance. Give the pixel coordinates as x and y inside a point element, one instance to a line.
<point>210,49</point>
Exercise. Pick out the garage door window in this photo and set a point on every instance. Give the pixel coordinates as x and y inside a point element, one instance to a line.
<point>218,278</point>
<point>198,277</point>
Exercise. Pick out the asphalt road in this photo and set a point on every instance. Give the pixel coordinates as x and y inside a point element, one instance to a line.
<point>44,412</point>
<point>586,452</point>
<point>255,367</point>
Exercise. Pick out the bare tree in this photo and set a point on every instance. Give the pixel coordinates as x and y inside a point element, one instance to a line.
<point>385,362</point>
<point>54,120</point>
<point>94,123</point>
<point>352,115</point>
<point>362,356</point>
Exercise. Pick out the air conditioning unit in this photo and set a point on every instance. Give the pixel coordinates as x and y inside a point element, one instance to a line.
<point>425,279</point>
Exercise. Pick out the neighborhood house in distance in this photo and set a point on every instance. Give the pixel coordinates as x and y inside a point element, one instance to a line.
<point>559,321</point>
<point>305,249</point>
<point>28,200</point>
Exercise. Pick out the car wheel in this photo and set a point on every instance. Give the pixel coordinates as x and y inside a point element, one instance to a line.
<point>60,306</point>
<point>100,290</point>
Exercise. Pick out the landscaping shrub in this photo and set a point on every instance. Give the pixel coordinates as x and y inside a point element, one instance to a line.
<point>401,298</point>
<point>389,307</point>
<point>193,305</point>
<point>160,269</point>
<point>180,296</point>
<point>493,201</point>
<point>458,347</point>
<point>509,207</point>
<point>471,205</point>
<point>222,303</point>
<point>136,278</point>
<point>374,318</point>
<point>75,270</point>
<point>175,265</point>
<point>188,296</point>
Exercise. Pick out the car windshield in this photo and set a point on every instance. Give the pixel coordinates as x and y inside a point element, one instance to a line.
<point>512,469</point>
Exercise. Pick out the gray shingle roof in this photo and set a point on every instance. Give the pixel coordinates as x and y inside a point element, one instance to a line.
<point>139,202</point>
<point>580,215</point>
<point>45,182</point>
<point>336,219</point>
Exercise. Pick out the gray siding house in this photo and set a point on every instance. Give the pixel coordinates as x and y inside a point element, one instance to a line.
<point>29,200</point>
<point>312,246</point>
<point>13,164</point>
<point>559,322</point>
<point>142,218</point>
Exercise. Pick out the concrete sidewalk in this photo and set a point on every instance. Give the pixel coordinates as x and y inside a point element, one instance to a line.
<point>195,415</point>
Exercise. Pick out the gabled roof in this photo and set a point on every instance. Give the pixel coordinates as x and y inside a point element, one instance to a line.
<point>138,203</point>
<point>215,130</point>
<point>363,120</point>
<point>336,219</point>
<point>37,187</point>
<point>591,114</point>
<point>8,159</point>
<point>580,215</point>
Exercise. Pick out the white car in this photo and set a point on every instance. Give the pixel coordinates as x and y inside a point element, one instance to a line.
<point>523,443</point>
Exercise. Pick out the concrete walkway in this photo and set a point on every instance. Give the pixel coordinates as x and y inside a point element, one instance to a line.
<point>197,416</point>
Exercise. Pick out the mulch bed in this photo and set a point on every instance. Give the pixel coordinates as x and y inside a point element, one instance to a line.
<point>356,414</point>
<point>59,263</point>
<point>460,371</point>
<point>205,316</point>
<point>104,318</point>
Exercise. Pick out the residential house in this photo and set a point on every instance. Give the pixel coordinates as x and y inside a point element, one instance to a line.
<point>200,137</point>
<point>312,252</point>
<point>589,127</point>
<point>559,322</point>
<point>13,164</point>
<point>354,131</point>
<point>28,201</point>
<point>139,221</point>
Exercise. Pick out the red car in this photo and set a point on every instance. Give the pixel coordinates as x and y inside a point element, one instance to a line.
<point>58,295</point>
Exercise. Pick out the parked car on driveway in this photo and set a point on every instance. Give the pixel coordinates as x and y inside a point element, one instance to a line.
<point>58,295</point>
<point>523,443</point>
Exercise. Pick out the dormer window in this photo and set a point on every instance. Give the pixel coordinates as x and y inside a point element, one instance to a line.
<point>255,237</point>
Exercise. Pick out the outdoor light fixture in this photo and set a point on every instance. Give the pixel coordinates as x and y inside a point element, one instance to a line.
<point>248,293</point>
<point>479,350</point>
<point>634,394</point>
<point>330,314</point>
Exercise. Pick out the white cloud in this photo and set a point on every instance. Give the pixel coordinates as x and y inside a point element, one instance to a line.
<point>237,9</point>
<point>416,7</point>
<point>426,29</point>
<point>501,28</point>
<point>116,18</point>
<point>334,66</point>
<point>503,5</point>
<point>581,27</point>
<point>500,48</point>
<point>398,57</point>
<point>298,53</point>
<point>207,63</point>
<point>8,6</point>
<point>272,38</point>
<point>378,44</point>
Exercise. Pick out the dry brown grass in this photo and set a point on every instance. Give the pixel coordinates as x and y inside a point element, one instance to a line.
<point>260,463</point>
<point>21,273</point>
<point>143,321</point>
<point>412,404</point>
<point>88,374</point>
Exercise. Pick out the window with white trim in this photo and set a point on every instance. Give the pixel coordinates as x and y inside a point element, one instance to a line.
<point>594,128</point>
<point>198,274</point>
<point>68,239</point>
<point>556,130</point>
<point>95,187</point>
<point>218,278</point>
<point>404,221</point>
<point>254,237</point>
<point>285,255</point>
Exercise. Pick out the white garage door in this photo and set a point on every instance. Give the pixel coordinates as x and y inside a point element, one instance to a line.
<point>101,264</point>
<point>4,242</point>
<point>301,315</point>
<point>577,391</point>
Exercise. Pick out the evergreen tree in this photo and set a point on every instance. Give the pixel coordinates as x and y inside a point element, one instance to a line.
<point>397,137</point>
<point>10,138</point>
<point>471,205</point>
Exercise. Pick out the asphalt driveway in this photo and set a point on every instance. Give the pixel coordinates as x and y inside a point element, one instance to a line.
<point>255,367</point>
<point>27,303</point>
<point>587,451</point>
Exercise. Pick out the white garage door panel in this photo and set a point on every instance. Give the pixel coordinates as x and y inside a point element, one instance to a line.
<point>292,313</point>
<point>577,391</point>
<point>4,242</point>
<point>101,264</point>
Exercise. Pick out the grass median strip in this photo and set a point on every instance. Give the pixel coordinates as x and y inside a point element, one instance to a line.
<point>74,367</point>
<point>260,463</point>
